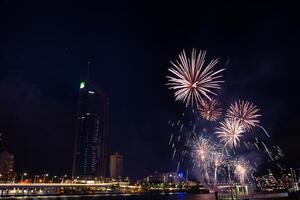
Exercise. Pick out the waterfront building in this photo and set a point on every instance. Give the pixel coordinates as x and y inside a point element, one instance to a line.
<point>7,165</point>
<point>90,149</point>
<point>116,165</point>
<point>169,177</point>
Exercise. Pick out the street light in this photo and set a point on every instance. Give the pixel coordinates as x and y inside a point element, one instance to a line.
<point>53,177</point>
<point>63,179</point>
<point>35,176</point>
<point>23,175</point>
<point>45,175</point>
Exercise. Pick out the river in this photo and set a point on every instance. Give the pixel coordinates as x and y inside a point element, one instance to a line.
<point>177,196</point>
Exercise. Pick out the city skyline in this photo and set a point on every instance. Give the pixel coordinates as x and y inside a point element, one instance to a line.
<point>129,48</point>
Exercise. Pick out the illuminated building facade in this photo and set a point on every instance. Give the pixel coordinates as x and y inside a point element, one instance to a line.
<point>170,177</point>
<point>91,132</point>
<point>6,166</point>
<point>116,166</point>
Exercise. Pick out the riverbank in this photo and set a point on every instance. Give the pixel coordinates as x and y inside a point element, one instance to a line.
<point>115,196</point>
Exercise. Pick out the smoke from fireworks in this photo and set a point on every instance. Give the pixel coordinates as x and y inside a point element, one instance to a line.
<point>230,132</point>
<point>191,80</point>
<point>210,109</point>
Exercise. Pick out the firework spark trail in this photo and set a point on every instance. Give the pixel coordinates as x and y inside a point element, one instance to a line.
<point>257,146</point>
<point>181,128</point>
<point>279,151</point>
<point>178,165</point>
<point>267,151</point>
<point>174,152</point>
<point>191,80</point>
<point>279,166</point>
<point>246,145</point>
<point>230,132</point>
<point>178,138</point>
<point>272,155</point>
<point>171,139</point>
<point>267,134</point>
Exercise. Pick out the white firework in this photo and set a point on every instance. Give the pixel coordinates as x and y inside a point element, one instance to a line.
<point>245,113</point>
<point>200,152</point>
<point>243,169</point>
<point>191,80</point>
<point>230,132</point>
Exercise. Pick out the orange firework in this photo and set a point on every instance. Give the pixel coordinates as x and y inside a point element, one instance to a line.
<point>210,109</point>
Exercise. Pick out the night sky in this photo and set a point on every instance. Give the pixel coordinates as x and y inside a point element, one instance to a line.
<point>45,47</point>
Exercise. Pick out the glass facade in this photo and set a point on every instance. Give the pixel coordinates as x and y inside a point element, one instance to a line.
<point>91,132</point>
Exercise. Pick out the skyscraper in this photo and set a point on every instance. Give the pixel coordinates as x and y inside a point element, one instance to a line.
<point>6,166</point>
<point>116,165</point>
<point>91,132</point>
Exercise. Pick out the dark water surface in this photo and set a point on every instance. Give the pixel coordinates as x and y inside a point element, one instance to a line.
<point>178,196</point>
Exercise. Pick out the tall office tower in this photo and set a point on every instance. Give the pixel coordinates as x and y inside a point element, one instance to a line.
<point>7,166</point>
<point>91,132</point>
<point>116,165</point>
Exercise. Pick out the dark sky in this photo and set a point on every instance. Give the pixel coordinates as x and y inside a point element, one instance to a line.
<point>45,46</point>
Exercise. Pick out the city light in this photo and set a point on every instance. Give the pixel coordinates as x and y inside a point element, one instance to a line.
<point>183,100</point>
<point>82,84</point>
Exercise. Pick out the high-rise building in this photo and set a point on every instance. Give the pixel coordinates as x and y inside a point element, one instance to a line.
<point>90,147</point>
<point>6,166</point>
<point>116,165</point>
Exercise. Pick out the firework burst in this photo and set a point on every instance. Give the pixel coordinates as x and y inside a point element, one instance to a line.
<point>200,152</point>
<point>191,80</point>
<point>210,109</point>
<point>245,113</point>
<point>217,161</point>
<point>200,148</point>
<point>242,170</point>
<point>230,132</point>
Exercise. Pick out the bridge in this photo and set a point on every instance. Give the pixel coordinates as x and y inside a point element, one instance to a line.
<point>20,189</point>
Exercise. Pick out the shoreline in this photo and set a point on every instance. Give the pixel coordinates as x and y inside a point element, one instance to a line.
<point>96,194</point>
